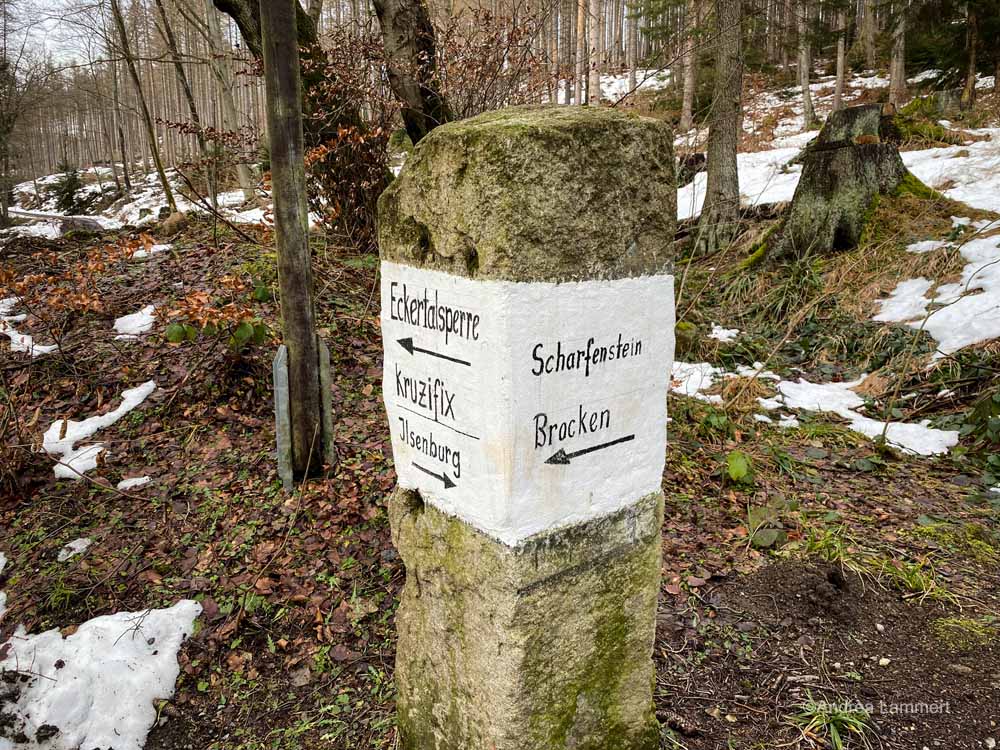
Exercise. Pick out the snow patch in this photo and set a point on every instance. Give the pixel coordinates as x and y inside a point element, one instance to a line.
<point>20,342</point>
<point>840,399</point>
<point>723,334</point>
<point>690,379</point>
<point>133,482</point>
<point>926,246</point>
<point>60,439</point>
<point>907,302</point>
<point>74,548</point>
<point>130,326</point>
<point>99,686</point>
<point>143,252</point>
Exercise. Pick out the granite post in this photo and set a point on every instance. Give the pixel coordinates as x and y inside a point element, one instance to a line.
<point>527,317</point>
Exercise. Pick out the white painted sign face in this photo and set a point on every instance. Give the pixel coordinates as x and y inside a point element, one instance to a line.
<point>523,407</point>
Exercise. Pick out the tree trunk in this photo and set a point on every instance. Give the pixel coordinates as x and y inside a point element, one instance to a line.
<point>852,161</point>
<point>594,81</point>
<point>868,33</point>
<point>633,51</point>
<point>897,62</point>
<point>185,85</point>
<point>566,33</point>
<point>721,212</point>
<point>690,63</point>
<point>581,49</point>
<point>408,37</point>
<point>972,40</point>
<point>279,46</point>
<point>316,13</point>
<point>143,107</point>
<point>838,92</point>
<point>223,72</point>
<point>805,63</point>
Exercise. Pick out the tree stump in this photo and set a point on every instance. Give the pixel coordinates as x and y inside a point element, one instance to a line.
<point>852,161</point>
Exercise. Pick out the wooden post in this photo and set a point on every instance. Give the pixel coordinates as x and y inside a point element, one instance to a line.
<point>291,228</point>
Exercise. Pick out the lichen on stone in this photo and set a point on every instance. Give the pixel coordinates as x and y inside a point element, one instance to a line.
<point>536,193</point>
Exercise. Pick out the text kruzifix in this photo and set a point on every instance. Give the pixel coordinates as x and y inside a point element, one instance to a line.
<point>429,394</point>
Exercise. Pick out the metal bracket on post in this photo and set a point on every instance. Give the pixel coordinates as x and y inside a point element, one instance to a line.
<point>326,403</point>
<point>283,418</point>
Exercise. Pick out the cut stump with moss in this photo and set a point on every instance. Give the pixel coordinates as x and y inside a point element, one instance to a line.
<point>852,161</point>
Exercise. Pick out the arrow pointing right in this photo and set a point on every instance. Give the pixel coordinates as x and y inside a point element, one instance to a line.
<point>443,476</point>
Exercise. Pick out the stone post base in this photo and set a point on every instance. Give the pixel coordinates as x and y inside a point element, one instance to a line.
<point>543,646</point>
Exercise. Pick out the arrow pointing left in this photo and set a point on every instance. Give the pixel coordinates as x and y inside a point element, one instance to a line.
<point>443,476</point>
<point>408,344</point>
<point>561,457</point>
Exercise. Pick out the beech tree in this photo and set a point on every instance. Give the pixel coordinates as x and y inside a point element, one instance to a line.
<point>147,118</point>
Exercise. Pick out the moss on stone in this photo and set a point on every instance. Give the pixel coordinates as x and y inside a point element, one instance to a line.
<point>544,645</point>
<point>911,185</point>
<point>533,193</point>
<point>686,339</point>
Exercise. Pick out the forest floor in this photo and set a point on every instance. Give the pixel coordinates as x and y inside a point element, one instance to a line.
<point>812,577</point>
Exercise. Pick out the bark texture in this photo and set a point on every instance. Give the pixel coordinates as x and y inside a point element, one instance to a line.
<point>721,212</point>
<point>408,36</point>
<point>291,229</point>
<point>897,61</point>
<point>851,162</point>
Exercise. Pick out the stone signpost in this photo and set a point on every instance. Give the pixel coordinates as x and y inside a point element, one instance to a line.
<point>527,318</point>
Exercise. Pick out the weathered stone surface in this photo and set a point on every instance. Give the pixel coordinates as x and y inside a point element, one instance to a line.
<point>174,223</point>
<point>282,417</point>
<point>79,224</point>
<point>842,173</point>
<point>543,646</point>
<point>548,193</point>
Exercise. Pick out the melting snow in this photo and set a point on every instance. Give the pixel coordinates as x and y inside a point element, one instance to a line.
<point>723,334</point>
<point>133,482</point>
<point>691,379</point>
<point>153,250</point>
<point>74,548</point>
<point>614,87</point>
<point>59,440</point>
<point>98,686</point>
<point>840,399</point>
<point>971,306</point>
<point>20,342</point>
<point>926,246</point>
<point>907,302</point>
<point>764,178</point>
<point>130,326</point>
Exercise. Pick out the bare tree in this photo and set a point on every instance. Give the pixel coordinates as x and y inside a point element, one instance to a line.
<point>689,60</point>
<point>594,47</point>
<point>897,60</point>
<point>147,118</point>
<point>803,17</point>
<point>408,37</point>
<point>721,213</point>
<point>971,41</point>
<point>838,91</point>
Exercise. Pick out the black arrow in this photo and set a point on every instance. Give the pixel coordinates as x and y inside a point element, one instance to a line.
<point>408,345</point>
<point>443,476</point>
<point>562,457</point>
